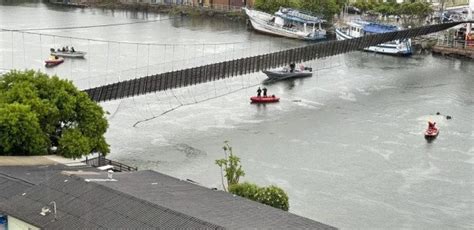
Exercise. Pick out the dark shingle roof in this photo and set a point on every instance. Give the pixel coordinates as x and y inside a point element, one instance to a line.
<point>217,207</point>
<point>10,187</point>
<point>143,199</point>
<point>86,205</point>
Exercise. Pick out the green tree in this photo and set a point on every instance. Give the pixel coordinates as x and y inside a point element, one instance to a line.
<point>230,164</point>
<point>363,5</point>
<point>272,195</point>
<point>69,121</point>
<point>20,132</point>
<point>271,6</point>
<point>321,7</point>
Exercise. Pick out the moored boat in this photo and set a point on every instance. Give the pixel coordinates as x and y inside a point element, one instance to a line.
<point>355,29</point>
<point>287,22</point>
<point>53,61</point>
<point>265,99</point>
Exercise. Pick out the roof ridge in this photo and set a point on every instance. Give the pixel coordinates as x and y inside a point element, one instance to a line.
<point>16,179</point>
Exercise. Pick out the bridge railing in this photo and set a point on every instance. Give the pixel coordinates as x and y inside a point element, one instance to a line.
<point>102,161</point>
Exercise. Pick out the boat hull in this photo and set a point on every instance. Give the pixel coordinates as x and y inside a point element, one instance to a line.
<point>51,63</point>
<point>257,99</point>
<point>392,49</point>
<point>259,21</point>
<point>431,133</point>
<point>77,54</point>
<point>281,75</point>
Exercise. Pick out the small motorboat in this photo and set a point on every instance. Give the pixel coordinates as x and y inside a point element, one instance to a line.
<point>287,73</point>
<point>259,99</point>
<point>53,61</point>
<point>68,53</point>
<point>431,132</point>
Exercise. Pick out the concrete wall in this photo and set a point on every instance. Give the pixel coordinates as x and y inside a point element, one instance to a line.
<point>17,224</point>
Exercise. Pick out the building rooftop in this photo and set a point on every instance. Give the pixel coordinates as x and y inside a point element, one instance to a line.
<point>218,207</point>
<point>86,199</point>
<point>86,205</point>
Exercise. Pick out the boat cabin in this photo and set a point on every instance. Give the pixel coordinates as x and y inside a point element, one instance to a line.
<point>359,29</point>
<point>294,19</point>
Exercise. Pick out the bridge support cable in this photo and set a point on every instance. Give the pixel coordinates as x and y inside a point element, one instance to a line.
<point>230,68</point>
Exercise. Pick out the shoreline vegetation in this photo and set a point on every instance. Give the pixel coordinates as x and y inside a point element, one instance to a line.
<point>228,12</point>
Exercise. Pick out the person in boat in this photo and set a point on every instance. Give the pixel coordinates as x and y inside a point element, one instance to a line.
<point>292,67</point>
<point>264,92</point>
<point>431,125</point>
<point>302,68</point>
<point>64,49</point>
<point>259,91</point>
<point>72,49</point>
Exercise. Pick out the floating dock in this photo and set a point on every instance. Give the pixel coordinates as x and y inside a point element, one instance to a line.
<point>467,52</point>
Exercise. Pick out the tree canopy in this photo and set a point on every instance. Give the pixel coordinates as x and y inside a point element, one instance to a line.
<point>42,115</point>
<point>406,10</point>
<point>320,7</point>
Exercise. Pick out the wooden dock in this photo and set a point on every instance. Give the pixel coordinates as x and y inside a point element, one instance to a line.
<point>467,52</point>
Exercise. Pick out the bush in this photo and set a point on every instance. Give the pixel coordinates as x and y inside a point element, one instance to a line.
<point>272,195</point>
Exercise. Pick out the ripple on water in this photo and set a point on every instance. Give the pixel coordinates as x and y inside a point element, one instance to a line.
<point>417,174</point>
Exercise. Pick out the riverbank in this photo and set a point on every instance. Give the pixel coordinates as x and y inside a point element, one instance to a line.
<point>222,11</point>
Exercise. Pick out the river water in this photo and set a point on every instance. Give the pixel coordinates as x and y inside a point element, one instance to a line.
<point>346,144</point>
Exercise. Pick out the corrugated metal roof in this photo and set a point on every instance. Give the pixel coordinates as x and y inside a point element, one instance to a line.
<point>82,204</point>
<point>217,207</point>
<point>143,199</point>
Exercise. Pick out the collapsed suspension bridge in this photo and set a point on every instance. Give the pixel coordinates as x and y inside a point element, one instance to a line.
<point>236,67</point>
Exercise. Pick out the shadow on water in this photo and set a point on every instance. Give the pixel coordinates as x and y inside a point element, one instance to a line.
<point>289,83</point>
<point>261,107</point>
<point>429,140</point>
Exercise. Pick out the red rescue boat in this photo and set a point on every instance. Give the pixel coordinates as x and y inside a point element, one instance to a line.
<point>53,61</point>
<point>258,99</point>
<point>431,131</point>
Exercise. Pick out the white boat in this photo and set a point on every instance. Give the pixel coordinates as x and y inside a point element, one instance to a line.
<point>359,28</point>
<point>70,54</point>
<point>287,22</point>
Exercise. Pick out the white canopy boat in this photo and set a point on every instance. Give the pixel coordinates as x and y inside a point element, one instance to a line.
<point>287,22</point>
<point>359,28</point>
<point>69,53</point>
